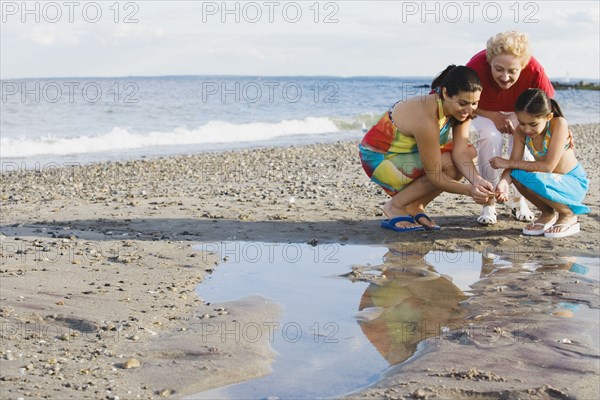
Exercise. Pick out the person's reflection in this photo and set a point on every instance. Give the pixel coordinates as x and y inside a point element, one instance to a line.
<point>412,304</point>
<point>564,309</point>
<point>565,263</point>
<point>491,264</point>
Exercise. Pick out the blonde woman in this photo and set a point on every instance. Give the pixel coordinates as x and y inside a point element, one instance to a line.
<point>506,69</point>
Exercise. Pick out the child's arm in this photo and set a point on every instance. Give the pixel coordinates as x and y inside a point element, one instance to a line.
<point>516,155</point>
<point>501,190</point>
<point>559,131</point>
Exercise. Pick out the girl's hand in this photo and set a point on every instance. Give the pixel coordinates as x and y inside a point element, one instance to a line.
<point>502,191</point>
<point>498,163</point>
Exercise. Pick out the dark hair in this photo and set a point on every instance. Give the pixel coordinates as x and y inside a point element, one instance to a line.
<point>457,79</point>
<point>537,103</point>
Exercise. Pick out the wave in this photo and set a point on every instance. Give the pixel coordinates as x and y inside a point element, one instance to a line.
<point>121,139</point>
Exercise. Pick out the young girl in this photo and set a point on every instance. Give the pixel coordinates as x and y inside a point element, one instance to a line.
<point>409,152</point>
<point>555,182</point>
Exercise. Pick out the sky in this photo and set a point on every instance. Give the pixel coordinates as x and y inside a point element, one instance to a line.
<point>285,38</point>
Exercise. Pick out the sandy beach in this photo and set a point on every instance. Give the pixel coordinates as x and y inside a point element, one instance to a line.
<point>99,272</point>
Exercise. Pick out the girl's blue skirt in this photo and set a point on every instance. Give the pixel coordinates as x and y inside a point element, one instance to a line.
<point>569,188</point>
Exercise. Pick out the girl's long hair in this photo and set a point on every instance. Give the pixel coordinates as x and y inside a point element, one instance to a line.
<point>537,103</point>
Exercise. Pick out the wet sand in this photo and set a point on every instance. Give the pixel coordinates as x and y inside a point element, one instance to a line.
<point>98,276</point>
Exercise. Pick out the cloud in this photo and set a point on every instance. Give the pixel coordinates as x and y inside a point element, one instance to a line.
<point>138,31</point>
<point>370,38</point>
<point>49,35</point>
<point>44,35</point>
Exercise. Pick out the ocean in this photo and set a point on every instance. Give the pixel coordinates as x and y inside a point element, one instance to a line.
<point>82,120</point>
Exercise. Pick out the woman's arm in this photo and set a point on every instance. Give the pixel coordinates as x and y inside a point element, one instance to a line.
<point>427,137</point>
<point>502,188</point>
<point>461,155</point>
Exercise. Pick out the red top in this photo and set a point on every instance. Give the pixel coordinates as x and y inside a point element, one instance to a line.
<point>495,99</point>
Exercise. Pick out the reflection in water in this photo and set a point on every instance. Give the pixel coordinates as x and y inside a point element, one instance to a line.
<point>565,309</point>
<point>561,309</point>
<point>418,294</point>
<point>412,304</point>
<point>412,296</point>
<point>491,265</point>
<point>565,263</point>
<point>321,350</point>
<point>414,308</point>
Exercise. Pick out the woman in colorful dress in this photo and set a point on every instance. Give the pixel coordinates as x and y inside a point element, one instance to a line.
<point>409,152</point>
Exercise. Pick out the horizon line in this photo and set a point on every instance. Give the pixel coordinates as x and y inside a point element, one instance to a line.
<point>422,77</point>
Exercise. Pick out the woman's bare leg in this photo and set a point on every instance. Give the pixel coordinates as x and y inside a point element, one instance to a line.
<point>418,194</point>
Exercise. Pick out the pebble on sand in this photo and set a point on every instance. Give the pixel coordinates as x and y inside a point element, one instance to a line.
<point>131,363</point>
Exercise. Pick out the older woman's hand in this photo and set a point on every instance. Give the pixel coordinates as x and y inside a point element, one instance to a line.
<point>502,123</point>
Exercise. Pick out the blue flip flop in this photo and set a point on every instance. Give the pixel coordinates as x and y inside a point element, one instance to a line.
<point>428,228</point>
<point>391,224</point>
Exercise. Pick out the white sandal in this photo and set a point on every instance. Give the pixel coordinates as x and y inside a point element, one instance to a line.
<point>572,229</point>
<point>537,232</point>
<point>488,216</point>
<point>520,210</point>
